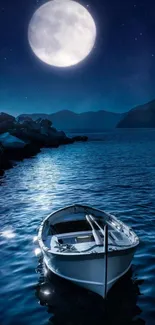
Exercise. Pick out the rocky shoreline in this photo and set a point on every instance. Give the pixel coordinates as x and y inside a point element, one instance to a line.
<point>23,138</point>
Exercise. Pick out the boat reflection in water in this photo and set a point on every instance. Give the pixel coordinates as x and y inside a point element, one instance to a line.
<point>70,304</point>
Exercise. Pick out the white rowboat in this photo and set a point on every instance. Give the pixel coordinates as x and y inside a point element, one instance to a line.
<point>74,247</point>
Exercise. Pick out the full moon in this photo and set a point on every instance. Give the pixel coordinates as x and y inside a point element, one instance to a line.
<point>62,33</point>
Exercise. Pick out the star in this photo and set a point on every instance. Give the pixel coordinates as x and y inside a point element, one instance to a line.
<point>136,38</point>
<point>152,55</point>
<point>5,59</point>
<point>135,6</point>
<point>141,34</point>
<point>26,97</point>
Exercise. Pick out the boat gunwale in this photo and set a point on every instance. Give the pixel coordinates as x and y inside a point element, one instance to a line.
<point>89,256</point>
<point>70,254</point>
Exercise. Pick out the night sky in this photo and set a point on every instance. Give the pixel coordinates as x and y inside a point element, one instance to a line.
<point>117,75</point>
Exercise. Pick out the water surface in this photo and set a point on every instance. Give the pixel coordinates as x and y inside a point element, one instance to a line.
<point>114,171</point>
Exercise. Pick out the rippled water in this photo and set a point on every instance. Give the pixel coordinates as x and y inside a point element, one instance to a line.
<point>114,171</point>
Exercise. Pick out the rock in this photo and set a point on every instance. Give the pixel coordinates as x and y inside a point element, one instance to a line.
<point>11,142</point>
<point>61,134</point>
<point>16,149</point>
<point>23,137</point>
<point>44,131</point>
<point>21,119</point>
<point>6,122</point>
<point>54,133</point>
<point>80,138</point>
<point>45,127</point>
<point>26,123</point>
<point>53,130</point>
<point>38,120</point>
<point>31,150</point>
<point>4,162</point>
<point>19,154</point>
<point>6,117</point>
<point>66,140</point>
<point>30,125</point>
<point>45,123</point>
<point>36,138</point>
<point>39,132</point>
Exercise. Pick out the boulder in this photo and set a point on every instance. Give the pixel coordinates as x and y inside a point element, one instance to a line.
<point>67,140</point>
<point>38,120</point>
<point>36,138</point>
<point>44,131</point>
<point>39,132</point>
<point>59,136</point>
<point>52,132</point>
<point>4,162</point>
<point>19,154</point>
<point>31,125</point>
<point>80,138</point>
<point>22,118</point>
<point>17,149</point>
<point>45,123</point>
<point>45,126</point>
<point>11,142</point>
<point>52,129</point>
<point>6,117</point>
<point>6,122</point>
<point>23,137</point>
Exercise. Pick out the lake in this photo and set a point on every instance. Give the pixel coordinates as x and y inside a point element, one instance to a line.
<point>114,171</point>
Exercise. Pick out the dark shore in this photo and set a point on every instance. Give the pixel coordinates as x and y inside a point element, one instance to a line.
<point>23,138</point>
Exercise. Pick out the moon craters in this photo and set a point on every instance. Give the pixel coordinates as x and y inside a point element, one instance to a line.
<point>62,33</point>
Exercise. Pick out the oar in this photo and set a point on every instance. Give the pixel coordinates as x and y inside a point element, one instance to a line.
<point>96,223</point>
<point>96,235</point>
<point>105,233</point>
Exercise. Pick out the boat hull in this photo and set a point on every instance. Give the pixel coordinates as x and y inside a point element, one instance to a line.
<point>84,270</point>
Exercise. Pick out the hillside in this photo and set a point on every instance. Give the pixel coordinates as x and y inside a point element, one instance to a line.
<point>68,120</point>
<point>142,116</point>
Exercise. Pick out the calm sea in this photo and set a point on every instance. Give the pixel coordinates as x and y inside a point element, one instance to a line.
<point>114,171</point>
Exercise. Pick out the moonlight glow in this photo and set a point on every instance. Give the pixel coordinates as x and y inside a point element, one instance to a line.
<point>62,33</point>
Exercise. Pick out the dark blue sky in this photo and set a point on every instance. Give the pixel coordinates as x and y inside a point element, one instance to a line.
<point>118,74</point>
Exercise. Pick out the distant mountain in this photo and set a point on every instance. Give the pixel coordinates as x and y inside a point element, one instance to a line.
<point>140,117</point>
<point>68,120</point>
